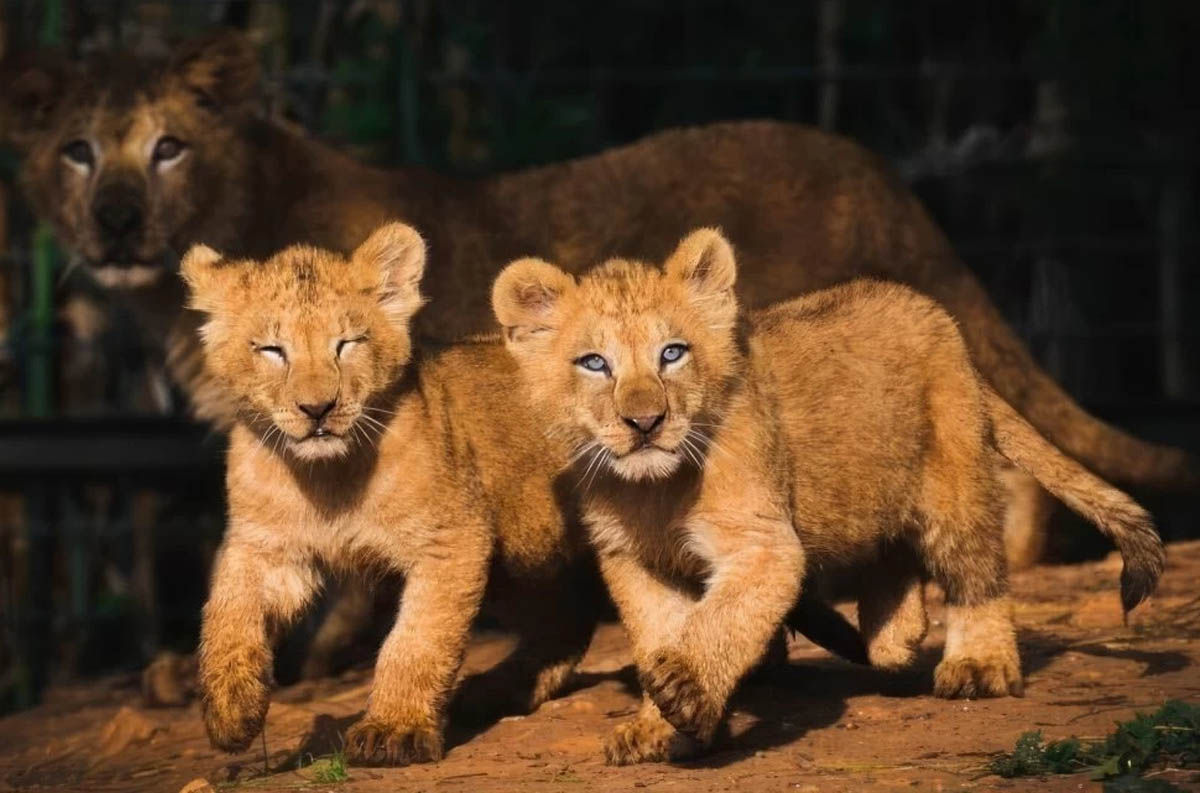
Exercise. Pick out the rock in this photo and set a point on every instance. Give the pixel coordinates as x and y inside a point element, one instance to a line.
<point>126,728</point>
<point>198,785</point>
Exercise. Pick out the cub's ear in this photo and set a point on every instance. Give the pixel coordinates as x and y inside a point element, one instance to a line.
<point>526,296</point>
<point>221,69</point>
<point>206,278</point>
<point>704,260</point>
<point>394,258</point>
<point>31,88</point>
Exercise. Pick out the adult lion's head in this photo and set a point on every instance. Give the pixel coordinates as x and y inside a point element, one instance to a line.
<point>133,159</point>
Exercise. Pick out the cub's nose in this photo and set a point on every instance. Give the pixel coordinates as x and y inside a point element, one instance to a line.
<point>316,411</point>
<point>644,424</point>
<point>119,219</point>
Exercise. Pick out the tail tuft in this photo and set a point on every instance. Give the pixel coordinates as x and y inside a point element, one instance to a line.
<point>1143,552</point>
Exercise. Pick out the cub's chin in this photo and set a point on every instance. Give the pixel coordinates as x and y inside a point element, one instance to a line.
<point>324,447</point>
<point>645,464</point>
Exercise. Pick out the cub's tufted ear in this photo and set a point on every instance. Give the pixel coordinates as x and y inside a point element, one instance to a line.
<point>221,69</point>
<point>526,297</point>
<point>394,258</point>
<point>207,280</point>
<point>704,261</point>
<point>32,88</point>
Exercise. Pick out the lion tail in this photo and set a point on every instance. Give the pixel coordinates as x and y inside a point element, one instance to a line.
<point>1116,514</point>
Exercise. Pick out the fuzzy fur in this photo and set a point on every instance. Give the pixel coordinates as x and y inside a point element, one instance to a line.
<point>845,427</point>
<point>429,467</point>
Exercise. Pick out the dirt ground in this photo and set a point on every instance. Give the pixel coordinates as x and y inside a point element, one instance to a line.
<point>818,725</point>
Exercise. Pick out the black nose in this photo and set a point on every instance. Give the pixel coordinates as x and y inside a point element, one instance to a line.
<point>644,424</point>
<point>120,218</point>
<point>318,411</point>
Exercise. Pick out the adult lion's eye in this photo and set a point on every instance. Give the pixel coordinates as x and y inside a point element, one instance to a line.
<point>592,363</point>
<point>168,148</point>
<point>673,353</point>
<point>79,152</point>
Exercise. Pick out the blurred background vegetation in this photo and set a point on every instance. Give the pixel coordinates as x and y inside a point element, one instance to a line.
<point>1054,140</point>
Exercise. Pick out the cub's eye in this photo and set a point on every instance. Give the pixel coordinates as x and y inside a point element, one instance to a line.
<point>592,363</point>
<point>271,352</point>
<point>346,345</point>
<point>167,148</point>
<point>673,352</point>
<point>79,152</point>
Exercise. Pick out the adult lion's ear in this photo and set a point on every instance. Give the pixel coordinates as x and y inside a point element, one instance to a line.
<point>206,279</point>
<point>526,297</point>
<point>221,69</point>
<point>704,261</point>
<point>32,87</point>
<point>394,255</point>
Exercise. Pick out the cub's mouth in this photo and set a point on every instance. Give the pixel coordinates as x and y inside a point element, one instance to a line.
<point>320,444</point>
<point>645,461</point>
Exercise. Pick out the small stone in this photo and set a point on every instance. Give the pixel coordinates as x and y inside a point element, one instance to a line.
<point>198,785</point>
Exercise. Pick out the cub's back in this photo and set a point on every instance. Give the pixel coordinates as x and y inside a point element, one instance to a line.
<point>851,367</point>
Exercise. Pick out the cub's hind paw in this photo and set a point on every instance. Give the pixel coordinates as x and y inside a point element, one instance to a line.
<point>989,676</point>
<point>671,683</point>
<point>374,742</point>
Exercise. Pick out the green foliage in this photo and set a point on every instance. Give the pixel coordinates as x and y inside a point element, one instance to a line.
<point>329,769</point>
<point>1169,736</point>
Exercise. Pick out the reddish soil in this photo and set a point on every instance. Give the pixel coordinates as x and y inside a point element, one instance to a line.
<point>818,725</point>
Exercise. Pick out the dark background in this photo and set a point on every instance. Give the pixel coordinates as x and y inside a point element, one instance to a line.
<point>1054,140</point>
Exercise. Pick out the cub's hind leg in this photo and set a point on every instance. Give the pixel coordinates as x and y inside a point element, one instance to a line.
<point>891,607</point>
<point>554,619</point>
<point>965,554</point>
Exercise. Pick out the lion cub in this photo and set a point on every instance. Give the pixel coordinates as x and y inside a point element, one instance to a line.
<point>724,459</point>
<point>353,455</point>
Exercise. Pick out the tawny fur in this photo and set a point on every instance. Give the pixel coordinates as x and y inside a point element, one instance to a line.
<point>429,466</point>
<point>806,209</point>
<point>824,431</point>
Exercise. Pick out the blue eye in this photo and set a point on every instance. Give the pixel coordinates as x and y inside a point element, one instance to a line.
<point>593,363</point>
<point>673,352</point>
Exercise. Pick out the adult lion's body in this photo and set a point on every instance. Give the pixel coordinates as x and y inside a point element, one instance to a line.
<point>805,209</point>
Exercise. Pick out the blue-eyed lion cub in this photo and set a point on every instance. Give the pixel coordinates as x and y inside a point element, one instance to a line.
<point>725,458</point>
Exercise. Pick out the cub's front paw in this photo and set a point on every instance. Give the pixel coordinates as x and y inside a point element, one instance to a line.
<point>671,683</point>
<point>373,741</point>
<point>648,740</point>
<point>235,708</point>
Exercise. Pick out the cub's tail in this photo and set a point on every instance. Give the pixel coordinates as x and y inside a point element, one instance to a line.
<point>1114,513</point>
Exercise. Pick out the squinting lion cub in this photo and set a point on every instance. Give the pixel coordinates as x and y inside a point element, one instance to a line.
<point>349,455</point>
<point>723,461</point>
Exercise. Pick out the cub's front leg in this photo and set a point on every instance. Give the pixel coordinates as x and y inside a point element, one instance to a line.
<point>757,566</point>
<point>419,660</point>
<point>652,612</point>
<point>255,589</point>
